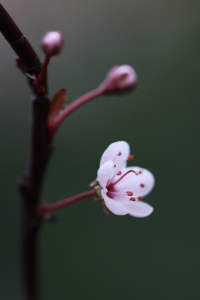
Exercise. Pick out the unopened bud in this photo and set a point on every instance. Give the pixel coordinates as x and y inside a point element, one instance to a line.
<point>52,43</point>
<point>120,79</point>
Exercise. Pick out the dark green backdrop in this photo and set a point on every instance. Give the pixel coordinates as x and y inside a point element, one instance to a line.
<point>87,255</point>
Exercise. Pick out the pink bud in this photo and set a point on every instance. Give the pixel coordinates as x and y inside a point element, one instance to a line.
<point>119,79</point>
<point>52,43</point>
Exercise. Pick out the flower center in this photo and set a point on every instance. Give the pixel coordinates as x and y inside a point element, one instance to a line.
<point>129,194</point>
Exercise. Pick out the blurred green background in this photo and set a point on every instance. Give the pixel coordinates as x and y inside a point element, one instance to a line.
<point>87,255</point>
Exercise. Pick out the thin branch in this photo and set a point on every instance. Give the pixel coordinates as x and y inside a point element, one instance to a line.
<point>53,125</point>
<point>45,208</point>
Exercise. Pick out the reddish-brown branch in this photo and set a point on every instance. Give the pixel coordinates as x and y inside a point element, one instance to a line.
<point>19,43</point>
<point>30,185</point>
<point>30,182</point>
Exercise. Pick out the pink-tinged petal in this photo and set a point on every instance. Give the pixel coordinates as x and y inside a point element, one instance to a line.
<point>105,172</point>
<point>118,152</point>
<point>118,196</point>
<point>142,184</point>
<point>114,206</point>
<point>138,209</point>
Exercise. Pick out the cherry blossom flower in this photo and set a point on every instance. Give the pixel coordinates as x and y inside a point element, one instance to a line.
<point>122,188</point>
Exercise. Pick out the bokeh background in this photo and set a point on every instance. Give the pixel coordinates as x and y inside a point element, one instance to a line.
<point>87,255</point>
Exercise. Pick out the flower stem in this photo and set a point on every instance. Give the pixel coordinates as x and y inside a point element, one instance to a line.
<point>53,125</point>
<point>45,208</point>
<point>42,75</point>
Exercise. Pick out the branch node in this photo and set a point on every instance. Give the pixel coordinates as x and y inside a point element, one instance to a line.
<point>20,40</point>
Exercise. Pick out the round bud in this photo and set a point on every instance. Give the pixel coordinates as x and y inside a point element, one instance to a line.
<point>120,79</point>
<point>52,43</point>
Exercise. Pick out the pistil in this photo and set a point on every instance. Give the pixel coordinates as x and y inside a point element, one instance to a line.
<point>114,183</point>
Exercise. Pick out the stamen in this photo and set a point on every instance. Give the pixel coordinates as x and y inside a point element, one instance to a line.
<point>140,198</point>
<point>119,173</point>
<point>132,199</point>
<point>140,172</point>
<point>129,193</point>
<point>130,171</point>
<point>130,157</point>
<point>114,166</point>
<point>115,159</point>
<point>142,185</point>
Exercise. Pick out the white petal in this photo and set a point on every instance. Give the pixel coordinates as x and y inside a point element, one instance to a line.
<point>105,172</point>
<point>114,206</point>
<point>141,185</point>
<point>118,152</point>
<point>138,209</point>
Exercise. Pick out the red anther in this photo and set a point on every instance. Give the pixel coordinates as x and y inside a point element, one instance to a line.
<point>140,172</point>
<point>130,157</point>
<point>132,199</point>
<point>142,185</point>
<point>119,154</point>
<point>114,166</point>
<point>140,198</point>
<point>129,193</point>
<point>119,173</point>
